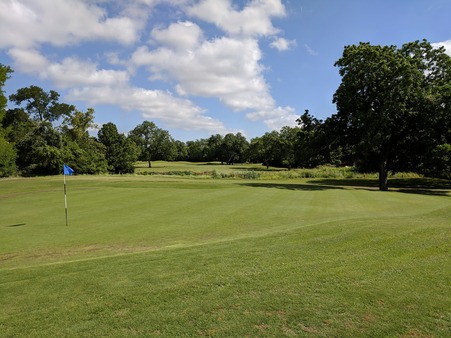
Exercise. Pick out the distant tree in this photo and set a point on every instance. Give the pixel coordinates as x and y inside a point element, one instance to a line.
<point>197,150</point>
<point>40,105</point>
<point>182,151</point>
<point>439,162</point>
<point>39,145</point>
<point>154,143</point>
<point>312,143</point>
<point>389,96</point>
<point>121,152</point>
<point>8,156</point>
<point>5,72</point>
<point>266,148</point>
<point>214,147</point>
<point>233,148</point>
<point>8,152</point>
<point>289,140</point>
<point>39,148</point>
<point>83,152</point>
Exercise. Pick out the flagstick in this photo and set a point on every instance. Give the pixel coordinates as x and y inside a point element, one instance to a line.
<point>65,197</point>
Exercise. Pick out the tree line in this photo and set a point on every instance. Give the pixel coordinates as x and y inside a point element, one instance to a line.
<point>393,114</point>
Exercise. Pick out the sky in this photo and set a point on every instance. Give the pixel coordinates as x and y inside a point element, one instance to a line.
<point>202,67</point>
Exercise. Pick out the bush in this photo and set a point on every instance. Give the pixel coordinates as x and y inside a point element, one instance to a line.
<point>8,156</point>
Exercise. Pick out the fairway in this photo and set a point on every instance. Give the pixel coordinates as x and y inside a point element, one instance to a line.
<point>156,255</point>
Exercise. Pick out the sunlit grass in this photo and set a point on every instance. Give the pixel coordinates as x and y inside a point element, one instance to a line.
<point>185,256</point>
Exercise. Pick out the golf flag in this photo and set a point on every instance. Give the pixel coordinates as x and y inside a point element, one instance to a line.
<point>67,170</point>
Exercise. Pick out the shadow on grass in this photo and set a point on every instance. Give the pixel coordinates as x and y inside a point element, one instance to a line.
<point>423,186</point>
<point>15,225</point>
<point>258,169</point>
<point>288,186</point>
<point>242,166</point>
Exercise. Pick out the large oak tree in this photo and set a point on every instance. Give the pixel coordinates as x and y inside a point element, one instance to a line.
<point>391,99</point>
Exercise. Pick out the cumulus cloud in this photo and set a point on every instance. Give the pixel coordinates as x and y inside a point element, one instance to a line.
<point>28,60</point>
<point>70,72</point>
<point>282,44</point>
<point>225,68</point>
<point>179,55</point>
<point>252,20</point>
<point>28,23</point>
<point>179,36</point>
<point>446,44</point>
<point>275,118</point>
<point>173,111</point>
<point>86,82</point>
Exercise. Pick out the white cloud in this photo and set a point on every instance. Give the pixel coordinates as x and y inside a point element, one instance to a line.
<point>445,44</point>
<point>28,23</point>
<point>174,112</point>
<point>275,118</point>
<point>225,68</point>
<point>179,36</point>
<point>282,44</point>
<point>70,72</point>
<point>310,50</point>
<point>105,86</point>
<point>28,60</point>
<point>73,72</point>
<point>252,20</point>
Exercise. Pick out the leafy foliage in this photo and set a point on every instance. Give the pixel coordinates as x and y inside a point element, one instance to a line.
<point>120,152</point>
<point>393,115</point>
<point>392,101</point>
<point>154,143</point>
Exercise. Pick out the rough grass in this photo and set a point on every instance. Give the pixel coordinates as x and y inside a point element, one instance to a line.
<point>217,170</point>
<point>180,256</point>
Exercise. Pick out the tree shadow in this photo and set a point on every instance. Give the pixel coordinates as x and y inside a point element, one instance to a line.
<point>258,169</point>
<point>291,186</point>
<point>426,192</point>
<point>15,225</point>
<point>423,186</point>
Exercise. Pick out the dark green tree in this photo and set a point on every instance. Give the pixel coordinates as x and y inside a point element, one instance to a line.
<point>8,156</point>
<point>81,151</point>
<point>40,105</point>
<point>289,146</point>
<point>121,152</point>
<point>5,72</point>
<point>182,151</point>
<point>39,145</point>
<point>8,152</point>
<point>312,142</point>
<point>385,101</point>
<point>214,147</point>
<point>233,148</point>
<point>266,149</point>
<point>154,143</point>
<point>198,150</point>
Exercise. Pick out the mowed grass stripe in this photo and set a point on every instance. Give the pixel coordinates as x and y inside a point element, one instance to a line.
<point>366,277</point>
<point>112,215</point>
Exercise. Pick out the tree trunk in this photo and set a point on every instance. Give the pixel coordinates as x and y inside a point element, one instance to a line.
<point>383,174</point>
<point>150,164</point>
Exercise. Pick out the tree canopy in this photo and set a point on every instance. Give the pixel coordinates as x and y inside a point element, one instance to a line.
<point>390,100</point>
<point>393,114</point>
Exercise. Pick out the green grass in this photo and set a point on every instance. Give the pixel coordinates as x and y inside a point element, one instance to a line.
<point>217,170</point>
<point>181,256</point>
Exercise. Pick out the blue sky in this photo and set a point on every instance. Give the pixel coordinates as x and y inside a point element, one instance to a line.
<point>201,67</point>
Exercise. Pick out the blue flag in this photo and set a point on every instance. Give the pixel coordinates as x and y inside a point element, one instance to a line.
<point>68,170</point>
